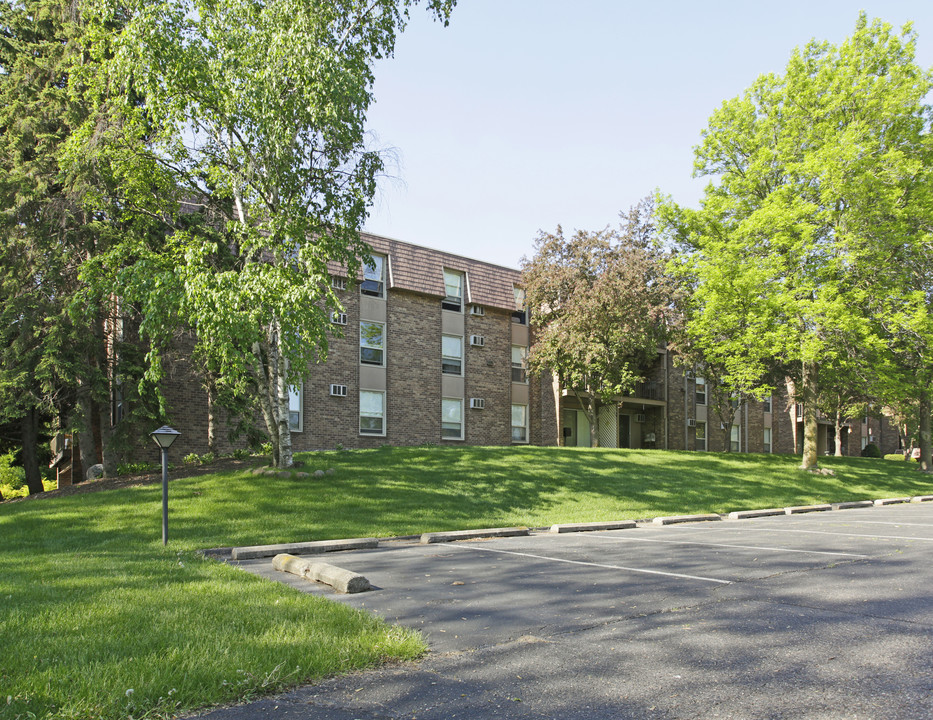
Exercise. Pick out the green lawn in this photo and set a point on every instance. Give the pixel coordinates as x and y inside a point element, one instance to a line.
<point>97,619</point>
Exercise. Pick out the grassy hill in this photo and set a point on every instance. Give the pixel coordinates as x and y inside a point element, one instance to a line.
<point>97,619</point>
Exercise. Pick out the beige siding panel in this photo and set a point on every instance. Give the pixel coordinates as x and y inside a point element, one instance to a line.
<point>520,394</point>
<point>451,386</point>
<point>520,334</point>
<point>372,308</point>
<point>452,323</point>
<point>372,378</point>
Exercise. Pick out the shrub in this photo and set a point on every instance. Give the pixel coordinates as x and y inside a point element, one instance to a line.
<point>137,468</point>
<point>266,448</point>
<point>895,456</point>
<point>191,459</point>
<point>871,451</point>
<point>207,458</point>
<point>12,478</point>
<point>241,453</point>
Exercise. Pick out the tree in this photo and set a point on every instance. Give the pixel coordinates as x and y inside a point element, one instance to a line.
<point>600,302</point>
<point>258,110</point>
<point>777,245</point>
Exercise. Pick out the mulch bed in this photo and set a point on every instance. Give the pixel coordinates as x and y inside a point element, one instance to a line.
<point>123,481</point>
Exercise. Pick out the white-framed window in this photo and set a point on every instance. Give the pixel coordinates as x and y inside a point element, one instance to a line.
<point>864,441</point>
<point>453,287</point>
<point>296,408</point>
<point>519,423</point>
<point>520,314</point>
<point>798,408</point>
<point>519,364</point>
<point>766,404</point>
<point>372,343</point>
<point>766,440</point>
<point>374,277</point>
<point>451,355</point>
<point>372,412</point>
<point>700,390</point>
<point>700,436</point>
<point>452,418</point>
<point>735,438</point>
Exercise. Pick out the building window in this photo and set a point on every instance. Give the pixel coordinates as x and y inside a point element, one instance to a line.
<point>766,404</point>
<point>701,436</point>
<point>374,278</point>
<point>453,286</point>
<point>735,439</point>
<point>519,359</point>
<point>798,408</point>
<point>372,413</point>
<point>520,423</point>
<point>700,390</point>
<point>372,350</point>
<point>451,355</point>
<point>520,314</point>
<point>452,419</point>
<point>766,442</point>
<point>295,413</point>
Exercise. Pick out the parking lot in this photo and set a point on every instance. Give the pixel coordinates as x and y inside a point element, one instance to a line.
<point>820,615</point>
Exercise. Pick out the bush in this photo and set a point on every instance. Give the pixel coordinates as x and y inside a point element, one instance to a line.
<point>895,456</point>
<point>266,448</point>
<point>137,468</point>
<point>241,453</point>
<point>207,458</point>
<point>191,459</point>
<point>871,451</point>
<point>12,478</point>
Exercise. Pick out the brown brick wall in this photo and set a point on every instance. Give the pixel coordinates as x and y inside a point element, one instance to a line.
<point>488,375</point>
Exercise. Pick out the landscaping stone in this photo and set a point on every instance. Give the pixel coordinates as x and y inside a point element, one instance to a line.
<point>318,473</point>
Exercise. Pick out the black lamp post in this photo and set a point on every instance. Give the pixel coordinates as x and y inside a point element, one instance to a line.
<point>164,437</point>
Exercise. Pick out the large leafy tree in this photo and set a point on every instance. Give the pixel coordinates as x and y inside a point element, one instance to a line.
<point>777,249</point>
<point>600,303</point>
<point>257,109</point>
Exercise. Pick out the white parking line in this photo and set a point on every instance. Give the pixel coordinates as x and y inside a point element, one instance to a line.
<point>879,522</point>
<point>619,538</point>
<point>590,564</point>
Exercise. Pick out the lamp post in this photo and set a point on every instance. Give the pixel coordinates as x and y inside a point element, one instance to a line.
<point>164,437</point>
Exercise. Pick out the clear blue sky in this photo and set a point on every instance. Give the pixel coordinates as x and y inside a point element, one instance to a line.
<point>521,116</point>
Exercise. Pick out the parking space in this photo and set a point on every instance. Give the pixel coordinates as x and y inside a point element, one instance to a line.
<point>832,613</point>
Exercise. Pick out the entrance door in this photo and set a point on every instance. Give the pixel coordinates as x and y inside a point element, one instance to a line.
<point>625,431</point>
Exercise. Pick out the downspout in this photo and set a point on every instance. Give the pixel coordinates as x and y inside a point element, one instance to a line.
<point>667,395</point>
<point>686,410</point>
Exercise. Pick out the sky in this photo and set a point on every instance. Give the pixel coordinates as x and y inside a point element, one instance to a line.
<point>524,115</point>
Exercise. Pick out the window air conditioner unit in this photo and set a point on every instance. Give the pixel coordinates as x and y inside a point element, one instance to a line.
<point>691,422</point>
<point>477,310</point>
<point>477,340</point>
<point>339,318</point>
<point>639,418</point>
<point>338,390</point>
<point>338,283</point>
<point>477,403</point>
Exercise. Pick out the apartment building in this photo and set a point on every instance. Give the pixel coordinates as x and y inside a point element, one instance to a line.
<point>431,348</point>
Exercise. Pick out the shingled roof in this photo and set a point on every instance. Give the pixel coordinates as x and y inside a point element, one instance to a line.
<point>421,270</point>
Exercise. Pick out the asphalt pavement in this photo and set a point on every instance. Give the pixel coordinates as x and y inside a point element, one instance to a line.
<point>817,615</point>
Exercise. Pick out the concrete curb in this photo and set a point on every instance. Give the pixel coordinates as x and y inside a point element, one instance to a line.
<point>891,501</point>
<point>746,514</point>
<point>590,526</point>
<point>671,519</point>
<point>439,537</point>
<point>305,548</point>
<point>798,509</point>
<point>853,504</point>
<point>343,581</point>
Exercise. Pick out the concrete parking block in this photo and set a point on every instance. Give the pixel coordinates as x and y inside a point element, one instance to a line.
<point>343,581</point>
<point>921,498</point>
<point>305,548</point>
<point>854,504</point>
<point>746,514</point>
<point>671,519</point>
<point>439,537</point>
<point>891,501</point>
<point>798,509</point>
<point>590,526</point>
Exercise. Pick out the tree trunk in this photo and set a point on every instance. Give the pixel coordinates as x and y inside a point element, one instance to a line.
<point>792,409</point>
<point>286,459</point>
<point>30,429</point>
<point>810,426</point>
<point>838,452</point>
<point>261,371</point>
<point>211,388</point>
<point>87,448</point>
<point>926,461</point>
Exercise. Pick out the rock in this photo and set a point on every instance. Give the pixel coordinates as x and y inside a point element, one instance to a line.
<point>94,472</point>
<point>330,471</point>
<point>318,473</point>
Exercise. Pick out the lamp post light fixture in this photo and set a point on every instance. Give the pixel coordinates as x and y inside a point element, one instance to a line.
<point>164,437</point>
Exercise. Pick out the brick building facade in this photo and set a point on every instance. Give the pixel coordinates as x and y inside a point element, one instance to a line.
<point>430,349</point>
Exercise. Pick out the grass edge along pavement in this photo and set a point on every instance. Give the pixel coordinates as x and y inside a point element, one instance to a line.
<point>97,619</point>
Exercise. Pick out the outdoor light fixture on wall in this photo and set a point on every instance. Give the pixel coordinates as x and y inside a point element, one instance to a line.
<point>164,437</point>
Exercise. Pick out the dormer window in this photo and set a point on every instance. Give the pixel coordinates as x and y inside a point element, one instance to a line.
<point>453,286</point>
<point>374,277</point>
